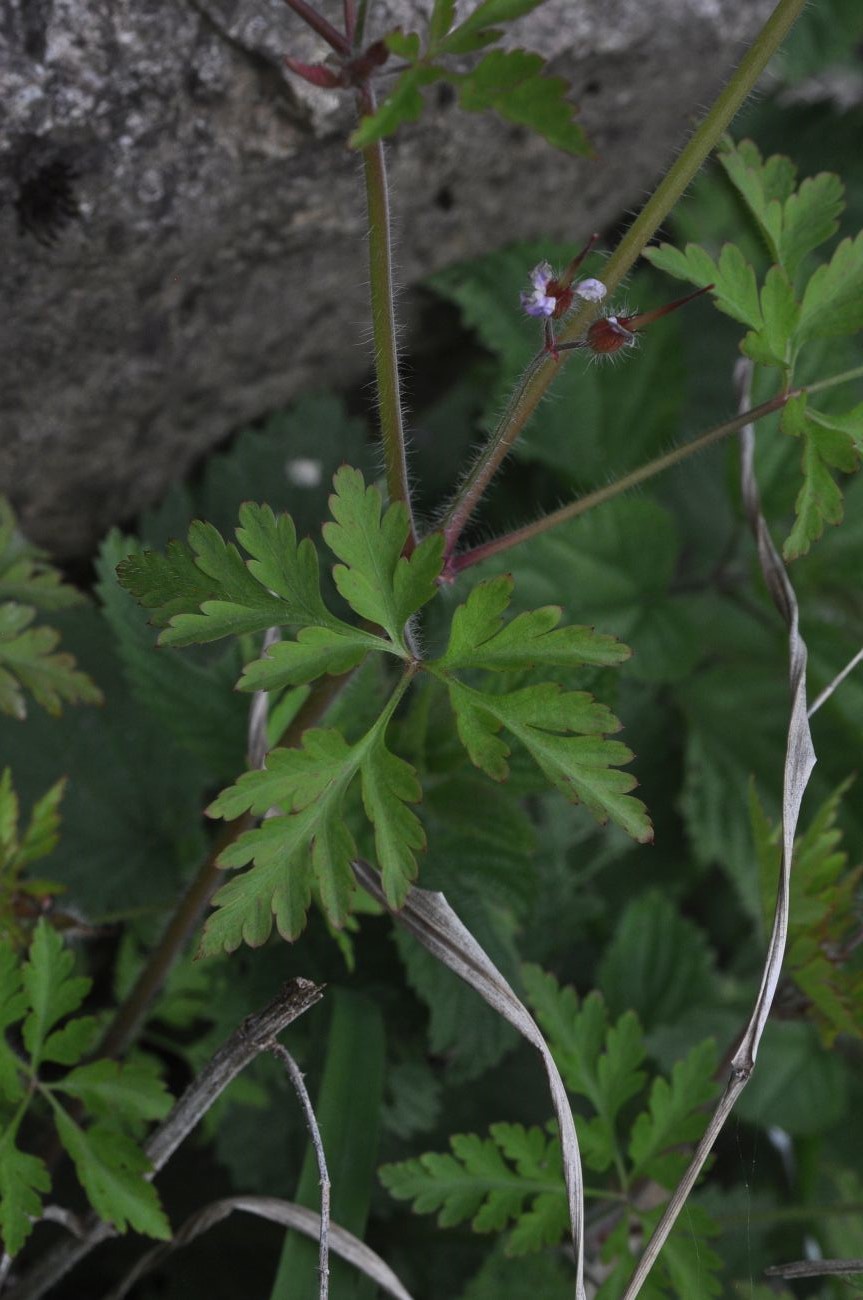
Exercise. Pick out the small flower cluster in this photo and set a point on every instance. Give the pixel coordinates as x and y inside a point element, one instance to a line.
<point>552,298</point>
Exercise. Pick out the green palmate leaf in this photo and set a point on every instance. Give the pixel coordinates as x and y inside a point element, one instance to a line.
<point>564,733</point>
<point>23,1178</point>
<point>279,584</point>
<point>111,1169</point>
<point>735,292</point>
<point>28,662</point>
<point>404,103</point>
<point>763,188</point>
<point>310,844</point>
<point>597,1061</point>
<point>168,584</point>
<point>826,446</point>
<point>673,1116</point>
<point>53,992</point>
<point>43,830</point>
<point>833,299</point>
<point>406,45</point>
<point>25,574</point>
<point>441,20</point>
<point>479,639</point>
<point>822,918</point>
<point>13,1007</point>
<point>792,221</point>
<point>512,84</point>
<point>125,1093</point>
<point>389,785</point>
<point>810,218</point>
<point>772,345</point>
<point>316,651</point>
<point>490,1181</point>
<point>377,581</point>
<point>478,28</point>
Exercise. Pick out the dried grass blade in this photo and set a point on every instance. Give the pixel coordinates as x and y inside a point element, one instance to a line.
<point>288,1215</point>
<point>433,923</point>
<point>799,762</point>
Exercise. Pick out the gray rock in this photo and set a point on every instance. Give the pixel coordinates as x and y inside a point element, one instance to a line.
<point>216,264</point>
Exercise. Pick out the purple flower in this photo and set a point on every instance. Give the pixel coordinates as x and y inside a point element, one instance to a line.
<point>591,290</point>
<point>539,302</point>
<point>549,297</point>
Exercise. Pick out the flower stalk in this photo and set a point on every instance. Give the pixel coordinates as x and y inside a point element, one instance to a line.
<point>544,368</point>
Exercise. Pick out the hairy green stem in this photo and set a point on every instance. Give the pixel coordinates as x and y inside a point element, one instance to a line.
<point>833,381</point>
<point>611,490</point>
<point>383,320</point>
<point>653,467</point>
<point>541,373</point>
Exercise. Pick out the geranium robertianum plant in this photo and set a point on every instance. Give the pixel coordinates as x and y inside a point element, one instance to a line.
<point>460,688</point>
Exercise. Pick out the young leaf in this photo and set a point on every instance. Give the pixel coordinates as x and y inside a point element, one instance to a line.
<point>576,1034</point>
<point>598,1062</point>
<point>441,20</point>
<point>378,582</point>
<point>825,447</point>
<point>512,84</point>
<point>489,1181</point>
<point>52,990</point>
<point>22,1180</point>
<point>479,639</point>
<point>13,1007</point>
<point>810,218</point>
<point>735,289</point>
<point>404,103</point>
<point>673,1116</point>
<point>127,1094</point>
<point>822,916</point>
<point>167,584</point>
<point>316,651</point>
<point>389,785</point>
<point>278,585</point>
<point>310,843</point>
<point>28,662</point>
<point>564,733</point>
<point>744,166</point>
<point>111,1169</point>
<point>771,346</point>
<point>833,298</point>
<point>475,30</point>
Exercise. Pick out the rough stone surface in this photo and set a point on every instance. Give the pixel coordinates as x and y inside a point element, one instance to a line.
<point>217,265</point>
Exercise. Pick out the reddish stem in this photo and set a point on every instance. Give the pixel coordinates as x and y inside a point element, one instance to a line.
<point>319,24</point>
<point>350,13</point>
<point>648,317</point>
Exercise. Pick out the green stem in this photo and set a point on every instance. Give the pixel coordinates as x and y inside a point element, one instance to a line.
<point>601,495</point>
<point>383,319</point>
<point>541,373</point>
<point>835,380</point>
